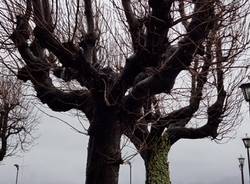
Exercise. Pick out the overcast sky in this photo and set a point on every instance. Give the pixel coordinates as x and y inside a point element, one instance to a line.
<point>60,157</point>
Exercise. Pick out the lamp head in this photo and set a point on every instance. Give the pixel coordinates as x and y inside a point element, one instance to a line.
<point>246,142</point>
<point>246,91</point>
<point>241,161</point>
<point>17,166</point>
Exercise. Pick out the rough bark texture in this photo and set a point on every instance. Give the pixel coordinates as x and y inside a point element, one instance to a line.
<point>157,167</point>
<point>3,133</point>
<point>104,157</point>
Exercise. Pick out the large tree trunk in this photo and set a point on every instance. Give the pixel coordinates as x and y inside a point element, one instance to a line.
<point>3,148</point>
<point>157,170</point>
<point>104,157</point>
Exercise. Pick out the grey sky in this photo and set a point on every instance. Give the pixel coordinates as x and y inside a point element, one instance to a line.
<point>60,157</point>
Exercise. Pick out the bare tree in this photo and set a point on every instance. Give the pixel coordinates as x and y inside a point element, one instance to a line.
<point>155,71</point>
<point>16,119</point>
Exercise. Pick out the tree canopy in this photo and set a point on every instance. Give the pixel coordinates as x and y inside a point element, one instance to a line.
<point>17,120</point>
<point>156,71</point>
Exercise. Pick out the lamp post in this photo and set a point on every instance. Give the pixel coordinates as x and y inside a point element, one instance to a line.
<point>246,92</point>
<point>17,171</point>
<point>241,161</point>
<point>246,142</point>
<point>130,171</point>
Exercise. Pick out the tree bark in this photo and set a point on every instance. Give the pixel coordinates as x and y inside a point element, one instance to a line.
<point>3,130</point>
<point>3,148</point>
<point>157,170</point>
<point>104,157</point>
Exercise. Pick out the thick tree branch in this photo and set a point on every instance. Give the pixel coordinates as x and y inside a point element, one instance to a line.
<point>181,117</point>
<point>208,130</point>
<point>163,81</point>
<point>38,72</point>
<point>56,99</point>
<point>183,14</point>
<point>89,15</point>
<point>47,14</point>
<point>215,116</point>
<point>49,41</point>
<point>38,11</point>
<point>68,54</point>
<point>42,13</point>
<point>157,29</point>
<point>133,23</point>
<point>88,41</point>
<point>134,65</point>
<point>158,25</point>
<point>69,57</point>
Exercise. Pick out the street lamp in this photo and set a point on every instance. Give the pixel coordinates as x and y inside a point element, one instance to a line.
<point>246,142</point>
<point>17,171</point>
<point>130,171</point>
<point>246,92</point>
<point>241,161</point>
